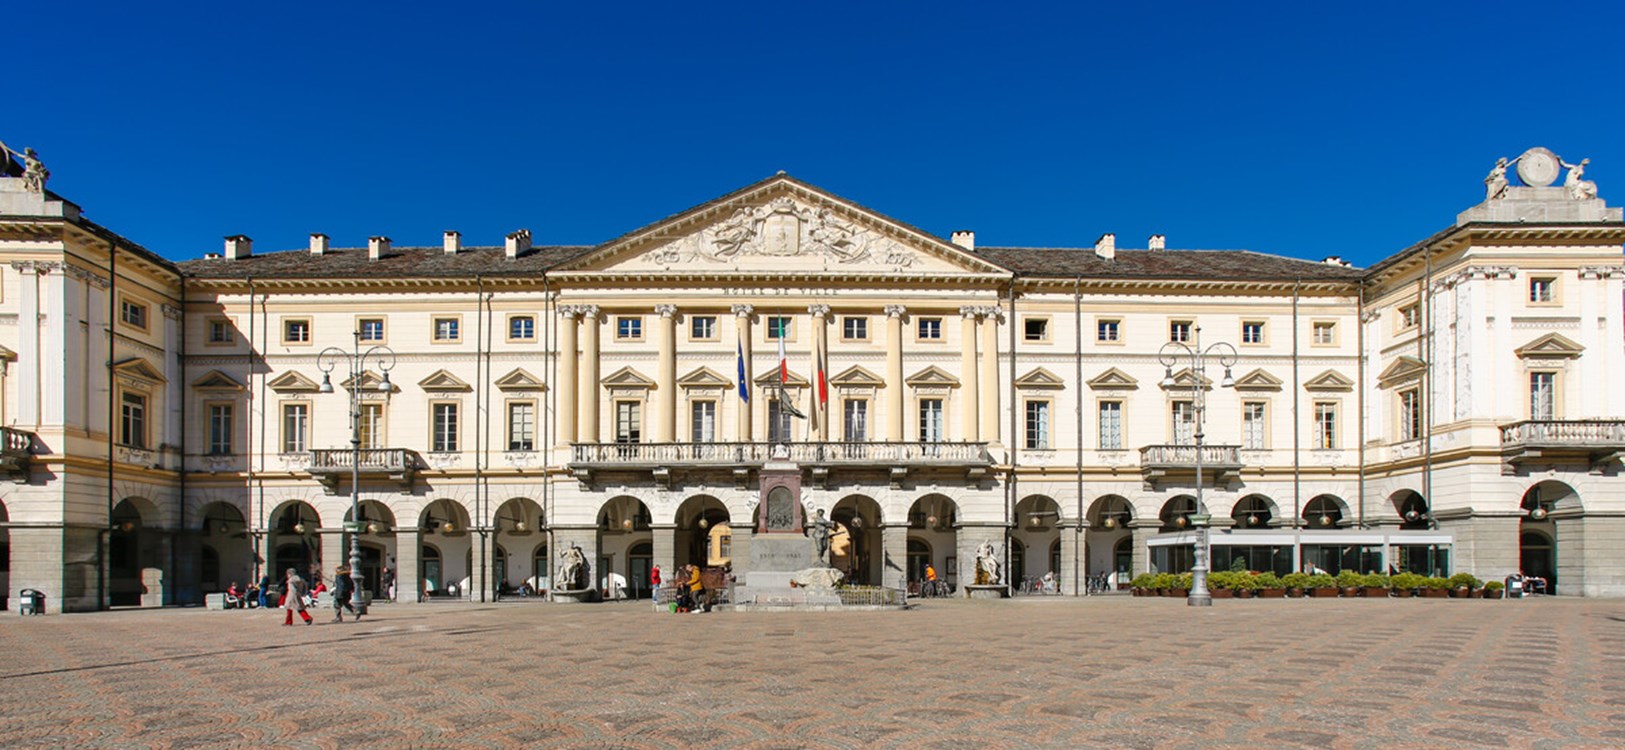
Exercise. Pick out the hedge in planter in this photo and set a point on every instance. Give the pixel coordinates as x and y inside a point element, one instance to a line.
<point>1406,584</point>
<point>1374,586</point>
<point>1269,586</point>
<point>1462,585</point>
<point>1295,583</point>
<point>1322,586</point>
<point>1494,589</point>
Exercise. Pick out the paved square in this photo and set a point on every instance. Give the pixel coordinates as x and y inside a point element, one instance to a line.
<point>1109,672</point>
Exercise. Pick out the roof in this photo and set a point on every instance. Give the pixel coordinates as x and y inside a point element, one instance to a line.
<point>398,262</point>
<point>1244,265</point>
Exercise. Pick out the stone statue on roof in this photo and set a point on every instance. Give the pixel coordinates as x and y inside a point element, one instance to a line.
<point>1495,185</point>
<point>1579,189</point>
<point>35,174</point>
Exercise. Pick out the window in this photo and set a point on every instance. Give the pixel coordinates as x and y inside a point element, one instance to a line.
<point>1409,316</point>
<point>296,331</point>
<point>447,329</point>
<point>1252,332</point>
<point>1108,331</point>
<point>931,420</point>
<point>521,425</point>
<point>778,423</point>
<point>1184,422</point>
<point>629,327</point>
<point>522,328</point>
<point>219,332</point>
<point>372,330</point>
<point>1410,414</point>
<point>443,437</point>
<point>1035,329</point>
<point>1111,425</point>
<point>1324,333</point>
<point>703,421</point>
<point>628,422</point>
<point>1037,425</point>
<point>929,329</point>
<point>133,420</point>
<point>855,328</point>
<point>220,428</point>
<point>1325,435</point>
<point>133,313</point>
<point>702,327</point>
<point>372,426</point>
<point>1179,331</point>
<point>778,327</point>
<point>856,420</point>
<point>295,425</point>
<point>1543,289</point>
<point>1252,425</point>
<point>1542,396</point>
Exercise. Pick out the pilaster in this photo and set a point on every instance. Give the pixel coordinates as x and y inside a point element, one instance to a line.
<point>969,394</point>
<point>665,421</point>
<point>1142,548</point>
<point>587,385</point>
<point>895,390</point>
<point>989,396</point>
<point>567,377</point>
<point>1074,560</point>
<point>742,426</point>
<point>664,539</point>
<point>819,424</point>
<point>894,555</point>
<point>408,581</point>
<point>28,344</point>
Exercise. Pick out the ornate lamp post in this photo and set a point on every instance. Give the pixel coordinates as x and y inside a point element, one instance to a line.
<point>1176,352</point>
<point>329,359</point>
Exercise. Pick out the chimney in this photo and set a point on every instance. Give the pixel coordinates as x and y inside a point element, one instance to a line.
<point>318,243</point>
<point>239,246</point>
<point>517,242</point>
<point>454,242</point>
<point>1106,246</point>
<point>376,247</point>
<point>1157,242</point>
<point>965,238</point>
<point>1336,260</point>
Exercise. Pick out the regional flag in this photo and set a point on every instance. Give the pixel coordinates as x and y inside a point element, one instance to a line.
<point>744,385</point>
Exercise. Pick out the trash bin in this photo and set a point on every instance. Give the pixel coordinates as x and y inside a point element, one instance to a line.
<point>31,602</point>
<point>1514,587</point>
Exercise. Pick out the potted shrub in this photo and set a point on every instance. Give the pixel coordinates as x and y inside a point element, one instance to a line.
<point>1180,585</point>
<point>1436,587</point>
<point>1350,581</point>
<point>1462,585</point>
<point>1269,586</point>
<point>1246,584</point>
<point>1162,583</point>
<point>1374,586</point>
<point>1295,583</point>
<point>1404,585</point>
<point>1494,589</point>
<point>1322,586</point>
<point>1222,584</point>
<point>1142,584</point>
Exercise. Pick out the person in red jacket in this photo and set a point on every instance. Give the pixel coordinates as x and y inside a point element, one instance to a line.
<point>654,581</point>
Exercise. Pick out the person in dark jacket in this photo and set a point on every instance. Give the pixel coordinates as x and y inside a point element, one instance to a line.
<point>343,588</point>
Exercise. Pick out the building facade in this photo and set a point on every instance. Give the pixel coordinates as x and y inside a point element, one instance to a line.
<point>173,427</point>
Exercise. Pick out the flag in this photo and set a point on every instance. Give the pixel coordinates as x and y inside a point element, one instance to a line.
<point>784,364</point>
<point>744,385</point>
<point>823,379</point>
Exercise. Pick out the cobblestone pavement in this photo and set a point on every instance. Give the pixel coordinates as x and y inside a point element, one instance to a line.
<point>1045,672</point>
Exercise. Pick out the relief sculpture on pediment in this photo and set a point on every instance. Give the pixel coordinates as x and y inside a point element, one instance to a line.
<point>783,228</point>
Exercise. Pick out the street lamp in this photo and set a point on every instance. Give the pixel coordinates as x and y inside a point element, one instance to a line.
<point>357,360</point>
<point>1172,353</point>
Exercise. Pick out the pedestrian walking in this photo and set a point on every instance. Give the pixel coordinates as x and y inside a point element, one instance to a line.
<point>343,588</point>
<point>265,590</point>
<point>293,598</point>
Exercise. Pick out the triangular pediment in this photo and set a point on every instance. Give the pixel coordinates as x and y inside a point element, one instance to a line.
<point>368,381</point>
<point>932,376</point>
<point>1186,379</point>
<point>770,379</point>
<point>215,380</point>
<point>704,377</point>
<point>520,380</point>
<point>776,226</point>
<point>140,369</point>
<point>1113,378</point>
<point>857,377</point>
<point>7,355</point>
<point>1258,380</point>
<point>440,380</point>
<point>1330,380</point>
<point>1552,345</point>
<point>1039,377</point>
<point>292,382</point>
<point>626,377</point>
<point>1404,369</point>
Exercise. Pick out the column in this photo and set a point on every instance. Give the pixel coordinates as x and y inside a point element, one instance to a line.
<point>1074,558</point>
<point>989,396</point>
<point>969,392</point>
<point>54,341</point>
<point>819,427</point>
<point>177,379</point>
<point>334,553</point>
<point>587,384</point>
<point>408,586</point>
<point>1142,549</point>
<point>566,381</point>
<point>665,420</point>
<point>742,430</point>
<point>664,539</point>
<point>480,585</point>
<point>895,389</point>
<point>894,555</point>
<point>28,351</point>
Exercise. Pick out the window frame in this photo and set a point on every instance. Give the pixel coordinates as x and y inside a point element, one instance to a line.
<point>935,322</point>
<point>1262,423</point>
<point>1100,425</point>
<point>456,321</point>
<point>514,440</point>
<point>695,423</point>
<point>361,322</point>
<point>1408,414</point>
<point>711,326</point>
<point>288,323</point>
<point>848,406</point>
<point>776,327</point>
<point>1316,326</point>
<point>940,422</point>
<point>135,431</point>
<point>130,303</point>
<point>1553,395</point>
<point>1324,436</point>
<point>215,441</point>
<point>1183,327</point>
<point>1045,424</point>
<point>224,324</point>
<point>1044,328</point>
<point>376,437</point>
<point>442,440</point>
<point>1109,331</point>
<point>848,321</point>
<point>635,433</point>
<point>629,328</point>
<point>514,319</point>
<point>1178,407</point>
<point>1407,317</point>
<point>1263,332</point>
<point>1553,296</point>
<point>292,443</point>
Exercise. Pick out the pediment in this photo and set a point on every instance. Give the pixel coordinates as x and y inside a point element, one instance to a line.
<point>857,377</point>
<point>776,226</point>
<point>1258,380</point>
<point>1039,377</point>
<point>626,377</point>
<point>520,380</point>
<point>215,380</point>
<point>1113,378</point>
<point>932,377</point>
<point>292,382</point>
<point>140,369</point>
<point>1187,379</point>
<point>770,379</point>
<point>367,381</point>
<point>439,380</point>
<point>1552,345</point>
<point>1330,380</point>
<point>704,377</point>
<point>7,355</point>
<point>1405,368</point>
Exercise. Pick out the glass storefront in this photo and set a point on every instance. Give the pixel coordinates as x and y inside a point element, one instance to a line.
<point>1424,559</point>
<point>1336,558</point>
<point>1254,558</point>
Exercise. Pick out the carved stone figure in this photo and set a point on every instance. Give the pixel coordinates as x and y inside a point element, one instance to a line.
<point>732,236</point>
<point>1579,189</point>
<point>571,571</point>
<point>987,565</point>
<point>1495,185</point>
<point>34,172</point>
<point>819,529</point>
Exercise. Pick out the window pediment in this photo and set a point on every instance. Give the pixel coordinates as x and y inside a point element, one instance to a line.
<point>932,377</point>
<point>1550,346</point>
<point>139,369</point>
<point>520,380</point>
<point>704,377</point>
<point>1258,380</point>
<point>216,380</point>
<point>1185,380</point>
<point>367,380</point>
<point>1039,377</point>
<point>292,382</point>
<point>626,377</point>
<point>1329,381</point>
<point>1403,370</point>
<point>771,379</point>
<point>1113,379</point>
<point>857,377</point>
<point>440,380</point>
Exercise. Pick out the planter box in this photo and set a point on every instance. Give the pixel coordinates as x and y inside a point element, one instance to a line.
<point>1476,594</point>
<point>1222,593</point>
<point>1351,591</point>
<point>1327,592</point>
<point>1295,593</point>
<point>1404,593</point>
<point>1245,593</point>
<point>1272,593</point>
<point>1459,593</point>
<point>1179,593</point>
<point>1374,592</point>
<point>1493,594</point>
<point>1436,593</point>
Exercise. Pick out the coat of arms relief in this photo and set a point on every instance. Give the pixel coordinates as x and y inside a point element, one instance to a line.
<point>783,228</point>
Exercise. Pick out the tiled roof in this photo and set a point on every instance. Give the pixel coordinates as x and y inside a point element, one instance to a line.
<point>398,262</point>
<point>1239,265</point>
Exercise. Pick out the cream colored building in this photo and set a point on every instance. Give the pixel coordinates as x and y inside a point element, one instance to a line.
<point>1448,409</point>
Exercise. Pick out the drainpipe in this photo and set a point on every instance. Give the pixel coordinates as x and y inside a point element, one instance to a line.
<point>481,516</point>
<point>1011,491</point>
<point>1297,421</point>
<point>181,369</point>
<point>1078,531</point>
<point>263,538</point>
<point>550,335</point>
<point>1360,399</point>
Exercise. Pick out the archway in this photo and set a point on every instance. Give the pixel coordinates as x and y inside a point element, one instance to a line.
<point>1412,509</point>
<point>1018,565</point>
<point>431,573</point>
<point>623,521</point>
<point>1176,513</point>
<point>1254,512</point>
<point>919,556</point>
<point>1037,528</point>
<point>446,522</point>
<point>934,520</point>
<point>377,529</point>
<point>641,560</point>
<point>517,528</point>
<point>1324,512</point>
<point>225,555</point>
<point>704,535</point>
<point>129,550</point>
<point>855,545</point>
<point>293,540</point>
<point>1546,505</point>
<point>1108,519</point>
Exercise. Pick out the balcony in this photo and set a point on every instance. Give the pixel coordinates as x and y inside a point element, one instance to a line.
<point>16,448</point>
<point>331,465</point>
<point>897,458</point>
<point>1159,462</point>
<point>1600,443</point>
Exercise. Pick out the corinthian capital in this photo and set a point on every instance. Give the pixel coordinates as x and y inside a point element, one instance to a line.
<point>894,311</point>
<point>743,311</point>
<point>666,311</point>
<point>818,311</point>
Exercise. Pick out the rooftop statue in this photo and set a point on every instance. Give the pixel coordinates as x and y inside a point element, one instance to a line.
<point>34,172</point>
<point>1579,189</point>
<point>1495,185</point>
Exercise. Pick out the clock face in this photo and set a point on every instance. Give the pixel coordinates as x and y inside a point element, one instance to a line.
<point>1538,167</point>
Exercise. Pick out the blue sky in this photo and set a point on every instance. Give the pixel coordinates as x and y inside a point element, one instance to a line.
<point>1301,129</point>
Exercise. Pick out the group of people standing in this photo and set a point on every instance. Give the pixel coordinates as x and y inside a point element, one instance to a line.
<point>298,595</point>
<point>692,595</point>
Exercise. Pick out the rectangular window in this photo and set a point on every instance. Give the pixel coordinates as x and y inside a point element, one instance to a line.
<point>1410,414</point>
<point>856,420</point>
<point>629,327</point>
<point>1184,422</point>
<point>1252,425</point>
<point>372,330</point>
<point>931,420</point>
<point>296,331</point>
<point>1409,316</point>
<point>1252,332</point>
<point>443,438</point>
<point>133,313</point>
<point>295,426</point>
<point>447,329</point>
<point>1325,333</point>
<point>1543,289</point>
<point>1543,396</point>
<point>855,328</point>
<point>778,423</point>
<point>778,327</point>
<point>929,329</point>
<point>220,429</point>
<point>521,426</point>
<point>1179,331</point>
<point>1108,331</point>
<point>219,331</point>
<point>1111,425</point>
<point>522,328</point>
<point>1037,425</point>
<point>703,421</point>
<point>702,327</point>
<point>628,422</point>
<point>371,422</point>
<point>1325,434</point>
<point>1035,329</point>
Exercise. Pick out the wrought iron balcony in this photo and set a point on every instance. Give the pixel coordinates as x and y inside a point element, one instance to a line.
<point>896,457</point>
<point>16,448</point>
<point>1599,442</point>
<point>1221,462</point>
<point>331,465</point>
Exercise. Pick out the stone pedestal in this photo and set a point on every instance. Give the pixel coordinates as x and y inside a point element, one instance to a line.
<point>778,555</point>
<point>987,591</point>
<point>152,587</point>
<point>574,596</point>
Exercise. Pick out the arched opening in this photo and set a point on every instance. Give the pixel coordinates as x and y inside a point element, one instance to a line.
<point>1254,512</point>
<point>1055,557</point>
<point>624,521</point>
<point>855,545</point>
<point>209,570</point>
<point>1108,526</point>
<point>1018,577</point>
<point>1122,561</point>
<point>1546,505</point>
<point>128,552</point>
<point>1324,512</point>
<point>540,560</point>
<point>933,520</point>
<point>919,556</point>
<point>704,533</point>
<point>431,572</point>
<point>1176,513</point>
<point>225,555</point>
<point>1412,509</point>
<point>294,540</point>
<point>377,535</point>
<point>517,527</point>
<point>446,523</point>
<point>1038,519</point>
<point>641,557</point>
